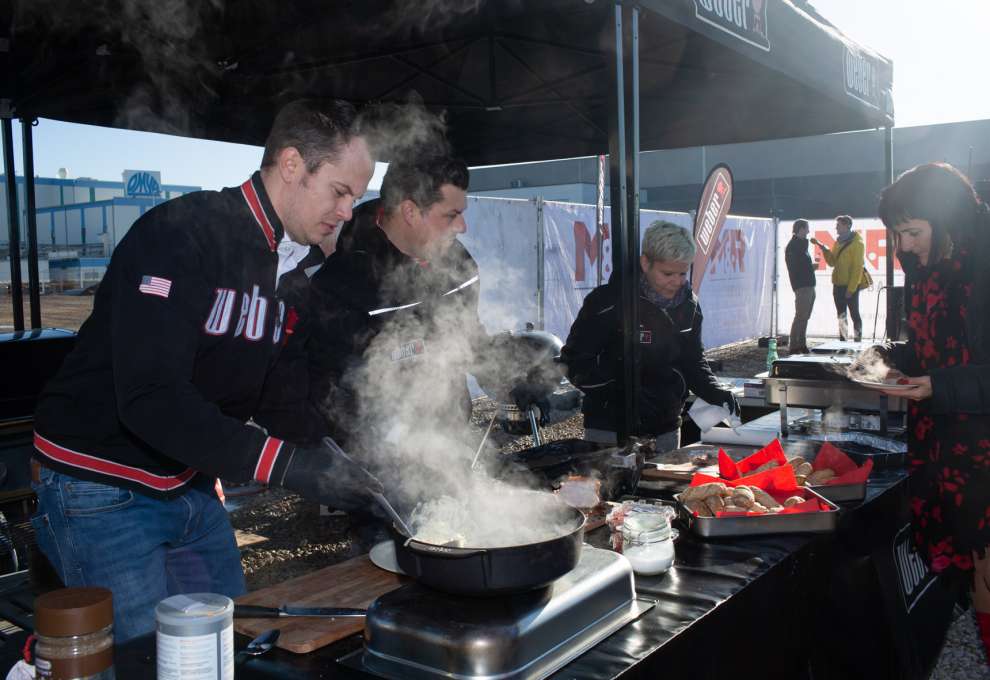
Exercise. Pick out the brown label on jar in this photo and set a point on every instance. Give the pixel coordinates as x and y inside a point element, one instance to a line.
<point>97,666</point>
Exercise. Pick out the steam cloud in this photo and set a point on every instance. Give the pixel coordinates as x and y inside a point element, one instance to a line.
<point>870,365</point>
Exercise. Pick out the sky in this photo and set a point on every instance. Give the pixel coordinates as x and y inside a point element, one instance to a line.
<point>937,47</point>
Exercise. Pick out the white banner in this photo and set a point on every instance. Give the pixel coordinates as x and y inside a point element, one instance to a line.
<point>824,319</point>
<point>735,297</point>
<point>736,292</point>
<point>502,237</point>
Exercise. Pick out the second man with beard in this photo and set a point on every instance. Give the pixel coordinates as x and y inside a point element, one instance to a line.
<point>395,312</point>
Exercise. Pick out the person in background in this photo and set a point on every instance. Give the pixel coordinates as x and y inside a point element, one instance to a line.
<point>672,357</point>
<point>154,402</point>
<point>848,275</point>
<point>801,271</point>
<point>941,231</point>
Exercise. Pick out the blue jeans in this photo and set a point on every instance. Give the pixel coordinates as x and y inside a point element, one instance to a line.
<point>142,549</point>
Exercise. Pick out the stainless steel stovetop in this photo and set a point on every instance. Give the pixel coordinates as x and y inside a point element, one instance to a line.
<point>415,633</point>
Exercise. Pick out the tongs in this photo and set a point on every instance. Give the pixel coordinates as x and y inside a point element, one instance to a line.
<point>395,517</point>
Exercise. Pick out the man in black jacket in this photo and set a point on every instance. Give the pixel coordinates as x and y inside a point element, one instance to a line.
<point>671,352</point>
<point>153,403</point>
<point>801,271</point>
<point>395,318</point>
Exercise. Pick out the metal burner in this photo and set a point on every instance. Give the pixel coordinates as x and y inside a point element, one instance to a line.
<point>417,633</point>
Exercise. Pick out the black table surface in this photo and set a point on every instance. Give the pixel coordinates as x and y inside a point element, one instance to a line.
<point>724,607</point>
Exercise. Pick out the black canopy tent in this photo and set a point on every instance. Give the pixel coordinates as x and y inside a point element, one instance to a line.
<point>518,80</point>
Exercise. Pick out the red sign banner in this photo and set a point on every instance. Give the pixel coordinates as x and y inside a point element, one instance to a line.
<point>716,198</point>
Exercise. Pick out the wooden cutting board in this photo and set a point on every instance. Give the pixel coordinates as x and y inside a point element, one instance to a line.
<point>354,583</point>
<point>682,472</point>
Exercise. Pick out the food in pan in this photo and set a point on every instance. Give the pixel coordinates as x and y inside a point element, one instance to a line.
<point>763,498</point>
<point>743,497</point>
<point>702,491</point>
<point>711,499</point>
<point>820,476</point>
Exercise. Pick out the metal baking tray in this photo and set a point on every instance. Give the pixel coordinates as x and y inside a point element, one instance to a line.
<point>758,525</point>
<point>862,446</point>
<point>840,493</point>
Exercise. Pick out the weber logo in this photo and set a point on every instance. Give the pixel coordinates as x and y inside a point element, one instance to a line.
<point>912,573</point>
<point>645,337</point>
<point>408,350</point>
<point>862,77</point>
<point>744,19</point>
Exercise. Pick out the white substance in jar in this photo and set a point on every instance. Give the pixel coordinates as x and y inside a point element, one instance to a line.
<point>647,544</point>
<point>651,559</point>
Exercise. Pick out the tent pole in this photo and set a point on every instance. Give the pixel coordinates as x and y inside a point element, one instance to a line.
<point>13,225</point>
<point>774,291</point>
<point>34,286</point>
<point>888,173</point>
<point>624,189</point>
<point>541,273</point>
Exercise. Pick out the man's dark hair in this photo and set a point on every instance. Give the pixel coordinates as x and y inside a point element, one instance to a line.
<point>799,224</point>
<point>421,182</point>
<point>942,196</point>
<point>317,129</point>
<point>845,219</point>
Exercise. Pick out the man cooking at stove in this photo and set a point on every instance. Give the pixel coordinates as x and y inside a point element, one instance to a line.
<point>152,404</point>
<point>396,331</point>
<point>672,357</point>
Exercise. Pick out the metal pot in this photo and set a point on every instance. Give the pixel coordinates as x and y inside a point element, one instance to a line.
<point>491,571</point>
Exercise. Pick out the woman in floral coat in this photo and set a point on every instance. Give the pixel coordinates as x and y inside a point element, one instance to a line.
<point>942,234</point>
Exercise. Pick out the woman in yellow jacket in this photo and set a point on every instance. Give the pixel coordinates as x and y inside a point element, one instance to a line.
<point>848,274</point>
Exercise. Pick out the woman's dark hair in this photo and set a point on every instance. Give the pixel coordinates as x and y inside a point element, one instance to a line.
<point>940,195</point>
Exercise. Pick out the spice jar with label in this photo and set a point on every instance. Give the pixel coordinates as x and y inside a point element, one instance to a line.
<point>647,542</point>
<point>74,631</point>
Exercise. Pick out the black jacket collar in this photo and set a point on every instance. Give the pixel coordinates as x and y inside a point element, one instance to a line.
<point>253,191</point>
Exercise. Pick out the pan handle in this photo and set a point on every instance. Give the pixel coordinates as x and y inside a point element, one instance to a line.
<point>442,551</point>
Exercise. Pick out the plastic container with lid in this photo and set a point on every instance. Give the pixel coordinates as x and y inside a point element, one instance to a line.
<point>74,630</point>
<point>195,637</point>
<point>647,542</point>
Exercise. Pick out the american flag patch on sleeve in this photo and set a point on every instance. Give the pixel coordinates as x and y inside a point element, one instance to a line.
<point>154,285</point>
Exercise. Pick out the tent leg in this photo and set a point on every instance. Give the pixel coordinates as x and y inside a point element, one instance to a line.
<point>624,190</point>
<point>13,225</point>
<point>888,162</point>
<point>34,286</point>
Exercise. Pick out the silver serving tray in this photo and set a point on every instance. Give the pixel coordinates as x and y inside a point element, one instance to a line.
<point>840,493</point>
<point>758,525</point>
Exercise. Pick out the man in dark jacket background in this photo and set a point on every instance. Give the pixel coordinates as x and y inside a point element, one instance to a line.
<point>801,271</point>
<point>671,352</point>
<point>396,326</point>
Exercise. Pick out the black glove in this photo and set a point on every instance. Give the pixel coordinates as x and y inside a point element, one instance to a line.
<point>327,475</point>
<point>528,394</point>
<point>728,399</point>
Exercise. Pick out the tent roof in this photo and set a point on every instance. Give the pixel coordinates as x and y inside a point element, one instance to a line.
<point>519,80</point>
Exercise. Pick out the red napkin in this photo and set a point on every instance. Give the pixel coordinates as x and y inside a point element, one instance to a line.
<point>771,452</point>
<point>846,471</point>
<point>779,479</point>
<point>726,466</point>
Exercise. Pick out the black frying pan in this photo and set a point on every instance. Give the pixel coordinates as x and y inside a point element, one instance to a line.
<point>491,571</point>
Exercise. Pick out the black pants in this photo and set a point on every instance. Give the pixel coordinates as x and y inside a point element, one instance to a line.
<point>842,303</point>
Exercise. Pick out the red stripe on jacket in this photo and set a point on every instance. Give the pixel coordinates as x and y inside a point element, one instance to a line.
<point>266,461</point>
<point>85,461</point>
<point>254,203</point>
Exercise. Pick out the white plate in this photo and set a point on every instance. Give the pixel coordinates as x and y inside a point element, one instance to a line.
<point>882,385</point>
<point>383,557</point>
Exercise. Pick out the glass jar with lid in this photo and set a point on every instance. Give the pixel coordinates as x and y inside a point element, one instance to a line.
<point>647,542</point>
<point>74,631</point>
